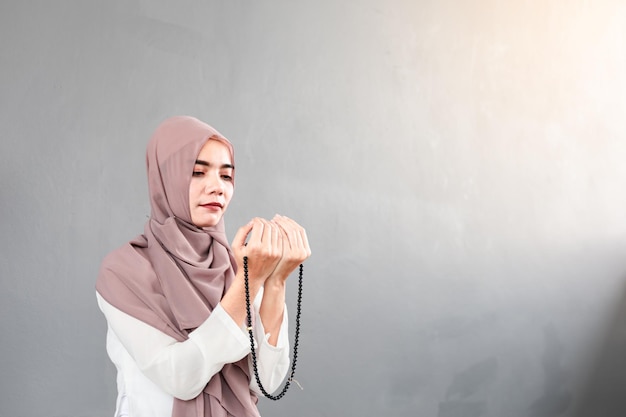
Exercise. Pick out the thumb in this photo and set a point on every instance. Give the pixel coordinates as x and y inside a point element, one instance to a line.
<point>240,237</point>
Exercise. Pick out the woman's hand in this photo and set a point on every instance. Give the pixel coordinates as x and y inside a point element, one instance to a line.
<point>295,248</point>
<point>264,248</point>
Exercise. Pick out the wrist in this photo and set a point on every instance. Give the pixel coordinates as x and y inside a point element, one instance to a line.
<point>274,283</point>
<point>254,285</point>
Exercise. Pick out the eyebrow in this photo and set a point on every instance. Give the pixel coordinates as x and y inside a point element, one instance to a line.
<point>206,164</point>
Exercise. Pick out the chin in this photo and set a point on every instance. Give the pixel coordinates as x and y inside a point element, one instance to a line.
<point>207,222</point>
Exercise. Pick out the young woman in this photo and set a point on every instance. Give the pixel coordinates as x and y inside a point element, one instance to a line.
<point>174,297</point>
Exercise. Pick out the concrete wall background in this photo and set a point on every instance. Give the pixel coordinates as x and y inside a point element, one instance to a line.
<point>458,166</point>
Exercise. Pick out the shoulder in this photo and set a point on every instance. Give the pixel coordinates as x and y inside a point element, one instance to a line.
<point>129,254</point>
<point>125,266</point>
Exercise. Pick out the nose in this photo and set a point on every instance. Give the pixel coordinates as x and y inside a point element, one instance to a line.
<point>214,185</point>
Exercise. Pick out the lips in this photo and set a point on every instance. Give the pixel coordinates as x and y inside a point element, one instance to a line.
<point>213,204</point>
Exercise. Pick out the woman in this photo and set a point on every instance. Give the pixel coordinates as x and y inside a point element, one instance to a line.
<point>174,297</point>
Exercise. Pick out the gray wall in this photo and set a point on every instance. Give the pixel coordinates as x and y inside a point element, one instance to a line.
<point>459,166</point>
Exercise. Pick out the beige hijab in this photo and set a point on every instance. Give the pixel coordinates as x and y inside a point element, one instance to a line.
<point>174,275</point>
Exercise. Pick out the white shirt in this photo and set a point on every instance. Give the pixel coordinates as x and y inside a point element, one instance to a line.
<point>153,368</point>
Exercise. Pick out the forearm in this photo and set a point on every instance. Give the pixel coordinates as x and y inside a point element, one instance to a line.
<point>234,301</point>
<point>184,369</point>
<point>181,369</point>
<point>272,308</point>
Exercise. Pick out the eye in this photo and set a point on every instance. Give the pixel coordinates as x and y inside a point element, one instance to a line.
<point>227,174</point>
<point>197,173</point>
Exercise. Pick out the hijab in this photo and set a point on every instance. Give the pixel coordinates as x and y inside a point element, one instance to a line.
<point>174,274</point>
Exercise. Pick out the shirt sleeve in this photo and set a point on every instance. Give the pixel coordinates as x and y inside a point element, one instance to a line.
<point>272,361</point>
<point>183,369</point>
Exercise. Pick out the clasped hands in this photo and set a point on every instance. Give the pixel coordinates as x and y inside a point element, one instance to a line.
<point>274,248</point>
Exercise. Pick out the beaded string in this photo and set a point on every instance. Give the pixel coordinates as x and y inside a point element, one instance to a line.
<point>295,344</point>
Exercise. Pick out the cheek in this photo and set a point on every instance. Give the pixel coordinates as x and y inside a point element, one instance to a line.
<point>229,194</point>
<point>193,191</point>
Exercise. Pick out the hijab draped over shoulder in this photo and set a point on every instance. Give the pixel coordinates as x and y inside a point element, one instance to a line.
<point>174,274</point>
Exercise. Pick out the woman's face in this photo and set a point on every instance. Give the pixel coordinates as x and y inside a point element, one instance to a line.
<point>211,186</point>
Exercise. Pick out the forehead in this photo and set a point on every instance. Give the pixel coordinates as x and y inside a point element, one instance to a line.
<point>215,151</point>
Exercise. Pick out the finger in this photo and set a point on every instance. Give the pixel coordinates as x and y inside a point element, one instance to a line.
<point>258,229</point>
<point>288,221</point>
<point>285,225</point>
<point>297,234</point>
<point>240,237</point>
<point>269,240</point>
<point>305,242</point>
<point>267,233</point>
<point>291,224</point>
<point>283,234</point>
<point>300,239</point>
<point>277,238</point>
